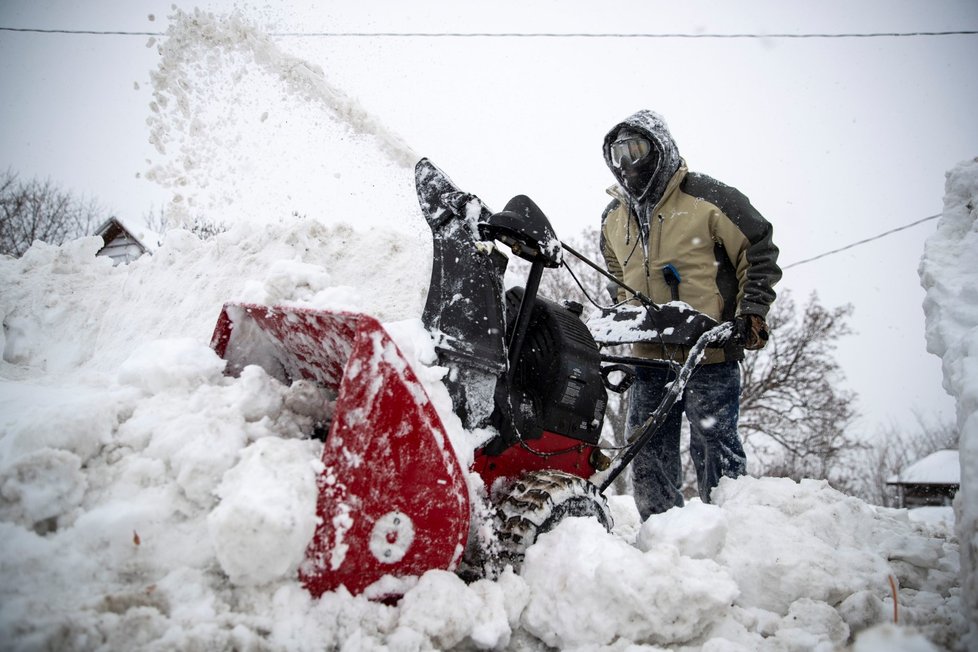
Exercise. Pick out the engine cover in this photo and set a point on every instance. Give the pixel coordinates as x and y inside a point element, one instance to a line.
<point>557,385</point>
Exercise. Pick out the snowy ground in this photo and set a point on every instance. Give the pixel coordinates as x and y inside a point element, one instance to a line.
<point>147,501</point>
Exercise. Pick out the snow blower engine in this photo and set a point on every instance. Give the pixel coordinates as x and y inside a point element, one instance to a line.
<point>393,500</point>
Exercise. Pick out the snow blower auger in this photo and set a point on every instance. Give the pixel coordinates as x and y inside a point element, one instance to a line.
<point>392,496</point>
<point>393,499</point>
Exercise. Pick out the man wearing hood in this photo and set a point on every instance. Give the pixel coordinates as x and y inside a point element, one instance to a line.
<point>673,235</point>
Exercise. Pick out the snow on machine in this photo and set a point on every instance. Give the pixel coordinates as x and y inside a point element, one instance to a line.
<point>393,498</point>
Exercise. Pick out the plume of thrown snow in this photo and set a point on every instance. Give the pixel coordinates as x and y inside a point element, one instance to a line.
<point>243,128</point>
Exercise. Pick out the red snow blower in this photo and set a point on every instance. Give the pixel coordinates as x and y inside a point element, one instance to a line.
<point>393,499</point>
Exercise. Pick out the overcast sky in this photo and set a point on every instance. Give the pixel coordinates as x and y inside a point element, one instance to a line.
<point>834,139</point>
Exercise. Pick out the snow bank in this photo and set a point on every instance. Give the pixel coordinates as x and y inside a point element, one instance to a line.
<point>64,308</point>
<point>949,275</point>
<point>149,502</point>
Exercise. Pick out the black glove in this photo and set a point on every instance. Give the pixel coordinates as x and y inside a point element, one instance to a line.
<point>750,331</point>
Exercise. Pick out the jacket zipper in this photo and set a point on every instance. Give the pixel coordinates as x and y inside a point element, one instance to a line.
<point>658,243</point>
<point>657,232</point>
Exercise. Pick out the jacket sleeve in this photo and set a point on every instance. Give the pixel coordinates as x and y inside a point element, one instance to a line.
<point>748,239</point>
<point>611,261</point>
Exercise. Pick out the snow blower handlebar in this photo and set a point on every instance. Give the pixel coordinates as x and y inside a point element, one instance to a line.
<point>646,301</point>
<point>647,430</point>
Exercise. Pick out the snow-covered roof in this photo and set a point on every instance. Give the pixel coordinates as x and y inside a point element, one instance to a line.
<point>942,467</point>
<point>121,244</point>
<point>142,235</point>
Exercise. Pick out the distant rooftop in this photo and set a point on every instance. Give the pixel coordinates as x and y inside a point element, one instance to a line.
<point>941,468</point>
<point>121,245</point>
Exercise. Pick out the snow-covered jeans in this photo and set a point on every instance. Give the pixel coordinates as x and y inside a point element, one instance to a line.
<point>711,403</point>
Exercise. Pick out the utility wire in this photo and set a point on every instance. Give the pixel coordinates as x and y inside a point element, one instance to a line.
<point>662,35</point>
<point>89,32</point>
<point>648,35</point>
<point>862,242</point>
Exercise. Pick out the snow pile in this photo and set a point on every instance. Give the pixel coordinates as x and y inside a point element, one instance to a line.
<point>950,277</point>
<point>148,501</point>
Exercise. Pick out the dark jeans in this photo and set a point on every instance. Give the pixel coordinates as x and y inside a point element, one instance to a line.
<point>711,402</point>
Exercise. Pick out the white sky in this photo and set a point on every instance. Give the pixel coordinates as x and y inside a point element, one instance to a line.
<point>834,140</point>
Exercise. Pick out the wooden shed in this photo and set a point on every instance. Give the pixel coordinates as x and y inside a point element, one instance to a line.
<point>934,480</point>
<point>120,243</point>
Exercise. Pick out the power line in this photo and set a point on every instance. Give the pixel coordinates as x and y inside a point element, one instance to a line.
<point>862,242</point>
<point>662,35</point>
<point>552,35</point>
<point>88,32</point>
<point>654,35</point>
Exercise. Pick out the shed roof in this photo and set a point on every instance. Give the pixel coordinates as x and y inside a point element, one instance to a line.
<point>113,228</point>
<point>940,468</point>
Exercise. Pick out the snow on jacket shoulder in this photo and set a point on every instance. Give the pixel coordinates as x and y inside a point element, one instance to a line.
<point>719,243</point>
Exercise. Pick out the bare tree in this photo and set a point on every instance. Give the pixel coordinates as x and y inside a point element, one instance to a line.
<point>160,220</point>
<point>894,449</point>
<point>156,220</point>
<point>795,417</point>
<point>36,210</point>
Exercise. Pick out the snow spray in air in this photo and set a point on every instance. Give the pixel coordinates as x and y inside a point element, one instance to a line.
<point>246,131</point>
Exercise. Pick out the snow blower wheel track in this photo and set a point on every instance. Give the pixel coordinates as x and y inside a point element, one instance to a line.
<point>536,503</point>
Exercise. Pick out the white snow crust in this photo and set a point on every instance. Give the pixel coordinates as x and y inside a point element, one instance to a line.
<point>148,501</point>
<point>949,274</point>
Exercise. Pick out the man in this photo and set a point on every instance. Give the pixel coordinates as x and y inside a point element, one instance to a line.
<point>673,234</point>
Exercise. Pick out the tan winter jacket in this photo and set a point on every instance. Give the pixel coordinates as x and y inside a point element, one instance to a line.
<point>720,245</point>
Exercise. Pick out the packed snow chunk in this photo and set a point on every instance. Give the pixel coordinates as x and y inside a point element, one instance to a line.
<point>812,625</point>
<point>39,297</point>
<point>698,530</point>
<point>578,574</point>
<point>493,627</point>
<point>417,347</point>
<point>335,621</point>
<point>781,546</point>
<point>787,541</point>
<point>448,612</point>
<point>291,282</point>
<point>199,432</point>
<point>624,514</point>
<point>41,489</point>
<point>189,596</point>
<point>517,594</point>
<point>892,638</point>
<point>76,418</point>
<point>173,363</point>
<point>267,513</point>
<point>414,341</point>
<point>862,610</point>
<point>934,518</point>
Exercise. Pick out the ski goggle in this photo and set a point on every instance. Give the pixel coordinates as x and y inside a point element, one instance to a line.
<point>629,151</point>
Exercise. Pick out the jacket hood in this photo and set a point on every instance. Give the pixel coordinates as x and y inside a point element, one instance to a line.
<point>653,126</point>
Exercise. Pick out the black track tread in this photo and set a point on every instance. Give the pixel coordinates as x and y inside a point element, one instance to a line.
<point>527,510</point>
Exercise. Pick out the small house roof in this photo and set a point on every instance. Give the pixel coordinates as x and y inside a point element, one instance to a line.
<point>940,468</point>
<point>113,228</point>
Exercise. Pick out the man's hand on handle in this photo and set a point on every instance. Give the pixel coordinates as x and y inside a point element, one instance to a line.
<point>750,331</point>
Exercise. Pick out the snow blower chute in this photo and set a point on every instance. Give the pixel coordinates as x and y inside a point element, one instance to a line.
<point>393,499</point>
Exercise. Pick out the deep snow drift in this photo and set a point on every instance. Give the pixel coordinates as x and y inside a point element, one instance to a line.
<point>148,501</point>
<point>949,275</point>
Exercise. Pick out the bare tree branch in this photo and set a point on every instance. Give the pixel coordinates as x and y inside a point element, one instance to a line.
<point>36,210</point>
